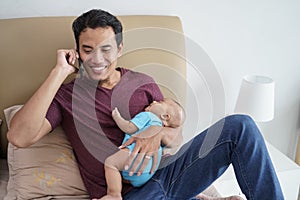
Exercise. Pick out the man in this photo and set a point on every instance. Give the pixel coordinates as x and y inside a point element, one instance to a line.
<point>83,108</point>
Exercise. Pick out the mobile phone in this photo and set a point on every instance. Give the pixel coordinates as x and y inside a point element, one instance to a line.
<point>76,64</point>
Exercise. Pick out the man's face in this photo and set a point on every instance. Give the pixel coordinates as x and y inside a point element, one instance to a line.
<point>99,52</point>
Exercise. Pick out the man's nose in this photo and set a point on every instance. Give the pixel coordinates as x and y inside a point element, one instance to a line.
<point>97,56</point>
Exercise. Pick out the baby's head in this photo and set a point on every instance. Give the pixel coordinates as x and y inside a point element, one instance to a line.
<point>170,112</point>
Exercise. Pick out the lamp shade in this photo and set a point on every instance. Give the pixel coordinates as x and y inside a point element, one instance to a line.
<point>256,98</point>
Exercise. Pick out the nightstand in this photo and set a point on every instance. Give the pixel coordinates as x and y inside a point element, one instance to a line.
<point>288,173</point>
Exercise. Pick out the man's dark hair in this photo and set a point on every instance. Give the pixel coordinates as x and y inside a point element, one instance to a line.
<point>97,18</point>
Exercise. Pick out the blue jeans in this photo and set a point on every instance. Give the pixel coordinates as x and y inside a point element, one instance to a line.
<point>193,169</point>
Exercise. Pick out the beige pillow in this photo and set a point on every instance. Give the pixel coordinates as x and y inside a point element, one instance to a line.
<point>45,170</point>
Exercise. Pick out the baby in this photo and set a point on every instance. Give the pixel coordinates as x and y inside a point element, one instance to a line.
<point>163,113</point>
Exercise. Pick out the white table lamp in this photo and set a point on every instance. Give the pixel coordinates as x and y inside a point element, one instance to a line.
<point>256,98</point>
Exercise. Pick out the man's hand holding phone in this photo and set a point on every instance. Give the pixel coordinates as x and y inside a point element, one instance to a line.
<point>66,60</point>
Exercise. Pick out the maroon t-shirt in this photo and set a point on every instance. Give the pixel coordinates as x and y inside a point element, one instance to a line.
<point>83,109</point>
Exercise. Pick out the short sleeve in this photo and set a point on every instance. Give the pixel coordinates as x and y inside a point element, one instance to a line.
<point>141,120</point>
<point>145,119</point>
<point>155,92</point>
<point>54,114</point>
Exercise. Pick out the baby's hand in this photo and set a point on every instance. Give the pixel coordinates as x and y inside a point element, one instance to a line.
<point>115,113</point>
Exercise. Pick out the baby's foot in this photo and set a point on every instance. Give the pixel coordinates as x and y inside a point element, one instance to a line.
<point>205,197</point>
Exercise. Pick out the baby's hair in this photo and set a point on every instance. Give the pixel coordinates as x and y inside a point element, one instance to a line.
<point>182,109</point>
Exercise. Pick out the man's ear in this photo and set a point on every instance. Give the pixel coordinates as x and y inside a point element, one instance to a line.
<point>79,64</point>
<point>79,59</point>
<point>120,49</point>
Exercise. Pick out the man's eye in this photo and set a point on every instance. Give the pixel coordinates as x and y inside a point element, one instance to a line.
<point>87,51</point>
<point>106,49</point>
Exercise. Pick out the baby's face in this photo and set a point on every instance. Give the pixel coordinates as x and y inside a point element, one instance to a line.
<point>170,112</point>
<point>156,107</point>
<point>160,107</point>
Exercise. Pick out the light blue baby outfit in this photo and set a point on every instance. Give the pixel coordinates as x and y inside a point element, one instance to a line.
<point>142,120</point>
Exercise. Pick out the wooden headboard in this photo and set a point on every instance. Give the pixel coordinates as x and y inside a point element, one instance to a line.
<point>152,44</point>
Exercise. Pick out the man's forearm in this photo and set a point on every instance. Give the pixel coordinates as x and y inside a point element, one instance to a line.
<point>26,124</point>
<point>172,137</point>
<point>29,124</point>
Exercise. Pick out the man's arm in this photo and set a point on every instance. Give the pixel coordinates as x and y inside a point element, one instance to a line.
<point>125,125</point>
<point>169,137</point>
<point>29,123</point>
<point>148,142</point>
<point>172,137</point>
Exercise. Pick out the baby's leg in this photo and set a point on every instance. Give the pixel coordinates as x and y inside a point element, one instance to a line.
<point>113,165</point>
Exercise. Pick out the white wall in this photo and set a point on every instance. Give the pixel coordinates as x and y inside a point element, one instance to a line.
<point>241,37</point>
